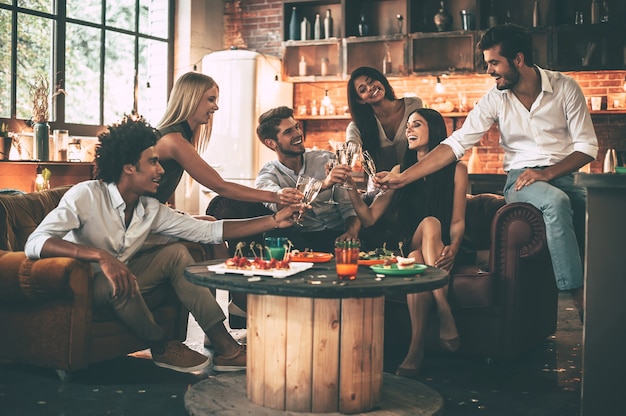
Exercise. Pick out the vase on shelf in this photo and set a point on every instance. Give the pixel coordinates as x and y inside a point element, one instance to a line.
<point>443,19</point>
<point>41,141</point>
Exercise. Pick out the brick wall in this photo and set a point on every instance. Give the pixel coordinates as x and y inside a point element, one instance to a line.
<point>257,25</point>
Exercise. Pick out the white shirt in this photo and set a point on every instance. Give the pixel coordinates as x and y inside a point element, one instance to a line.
<point>557,124</point>
<point>91,213</point>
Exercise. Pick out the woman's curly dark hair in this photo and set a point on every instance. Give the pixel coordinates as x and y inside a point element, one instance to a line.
<point>122,144</point>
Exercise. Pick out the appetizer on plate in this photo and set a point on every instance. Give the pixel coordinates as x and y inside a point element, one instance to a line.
<point>405,262</point>
<point>240,262</point>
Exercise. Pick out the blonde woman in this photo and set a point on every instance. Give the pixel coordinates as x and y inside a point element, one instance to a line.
<point>185,132</point>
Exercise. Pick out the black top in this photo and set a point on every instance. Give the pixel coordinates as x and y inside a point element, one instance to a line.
<point>173,170</point>
<point>304,284</point>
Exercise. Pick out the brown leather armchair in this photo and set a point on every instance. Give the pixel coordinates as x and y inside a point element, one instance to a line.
<point>504,304</point>
<point>46,313</point>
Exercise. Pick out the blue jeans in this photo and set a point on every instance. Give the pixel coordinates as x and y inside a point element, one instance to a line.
<point>563,206</point>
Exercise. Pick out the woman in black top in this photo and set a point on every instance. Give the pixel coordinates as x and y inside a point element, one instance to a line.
<point>428,217</point>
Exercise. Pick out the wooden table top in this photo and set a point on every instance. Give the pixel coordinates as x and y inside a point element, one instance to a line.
<point>320,281</point>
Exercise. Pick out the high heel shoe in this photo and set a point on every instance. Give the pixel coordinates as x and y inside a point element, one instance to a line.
<point>408,372</point>
<point>451,344</point>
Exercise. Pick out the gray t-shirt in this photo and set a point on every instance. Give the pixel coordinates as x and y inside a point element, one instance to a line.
<point>274,176</point>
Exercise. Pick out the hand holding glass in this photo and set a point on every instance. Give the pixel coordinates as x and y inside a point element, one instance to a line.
<point>369,167</point>
<point>330,165</point>
<point>309,187</point>
<point>348,154</point>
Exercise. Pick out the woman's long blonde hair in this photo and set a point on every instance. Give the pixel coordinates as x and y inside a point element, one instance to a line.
<point>184,99</point>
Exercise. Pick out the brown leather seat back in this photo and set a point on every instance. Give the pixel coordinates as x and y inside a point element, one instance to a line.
<point>479,214</point>
<point>20,215</point>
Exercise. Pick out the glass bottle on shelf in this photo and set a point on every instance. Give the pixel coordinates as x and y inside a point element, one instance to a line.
<point>604,12</point>
<point>328,25</point>
<point>324,67</point>
<point>595,11</point>
<point>387,61</point>
<point>442,19</point>
<point>305,29</point>
<point>363,27</point>
<point>536,14</point>
<point>293,25</point>
<point>493,15</point>
<point>317,27</point>
<point>302,67</point>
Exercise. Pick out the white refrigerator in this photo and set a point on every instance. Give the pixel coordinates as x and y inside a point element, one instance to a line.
<point>249,84</point>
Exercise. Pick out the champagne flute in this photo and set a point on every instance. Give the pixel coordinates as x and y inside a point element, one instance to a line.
<point>369,166</point>
<point>331,200</point>
<point>348,154</point>
<point>310,188</point>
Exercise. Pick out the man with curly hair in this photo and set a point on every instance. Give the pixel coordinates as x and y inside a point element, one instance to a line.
<point>106,222</point>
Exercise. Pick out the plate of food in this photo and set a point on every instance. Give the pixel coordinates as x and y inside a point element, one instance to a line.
<point>378,256</point>
<point>310,256</point>
<point>258,267</point>
<point>394,270</point>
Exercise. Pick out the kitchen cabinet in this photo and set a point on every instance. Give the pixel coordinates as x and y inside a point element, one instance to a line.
<point>372,51</point>
<point>455,52</point>
<point>588,47</point>
<point>314,54</point>
<point>413,40</point>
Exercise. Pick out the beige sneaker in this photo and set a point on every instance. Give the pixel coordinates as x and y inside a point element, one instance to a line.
<point>179,357</point>
<point>235,362</point>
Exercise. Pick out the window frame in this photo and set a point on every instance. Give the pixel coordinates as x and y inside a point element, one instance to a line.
<point>57,107</point>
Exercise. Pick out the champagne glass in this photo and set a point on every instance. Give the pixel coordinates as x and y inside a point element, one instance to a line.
<point>369,166</point>
<point>348,154</point>
<point>331,200</point>
<point>309,187</point>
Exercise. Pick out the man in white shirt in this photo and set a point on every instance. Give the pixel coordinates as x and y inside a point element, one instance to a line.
<point>546,133</point>
<point>107,221</point>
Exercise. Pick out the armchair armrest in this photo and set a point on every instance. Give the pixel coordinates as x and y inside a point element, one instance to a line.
<point>22,279</point>
<point>517,231</point>
<point>521,263</point>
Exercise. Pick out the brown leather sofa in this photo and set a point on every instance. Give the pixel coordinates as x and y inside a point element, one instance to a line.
<point>504,304</point>
<point>46,313</point>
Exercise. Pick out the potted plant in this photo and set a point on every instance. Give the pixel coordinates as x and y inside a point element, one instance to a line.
<point>39,93</point>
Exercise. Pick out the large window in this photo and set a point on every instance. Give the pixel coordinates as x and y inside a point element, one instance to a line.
<point>109,56</point>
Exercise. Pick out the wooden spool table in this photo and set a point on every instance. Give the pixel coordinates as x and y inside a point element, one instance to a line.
<point>315,343</point>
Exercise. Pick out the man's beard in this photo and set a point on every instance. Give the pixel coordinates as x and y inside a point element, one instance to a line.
<point>511,78</point>
<point>289,152</point>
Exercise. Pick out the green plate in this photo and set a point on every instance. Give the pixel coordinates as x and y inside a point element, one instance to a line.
<point>395,271</point>
<point>620,169</point>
